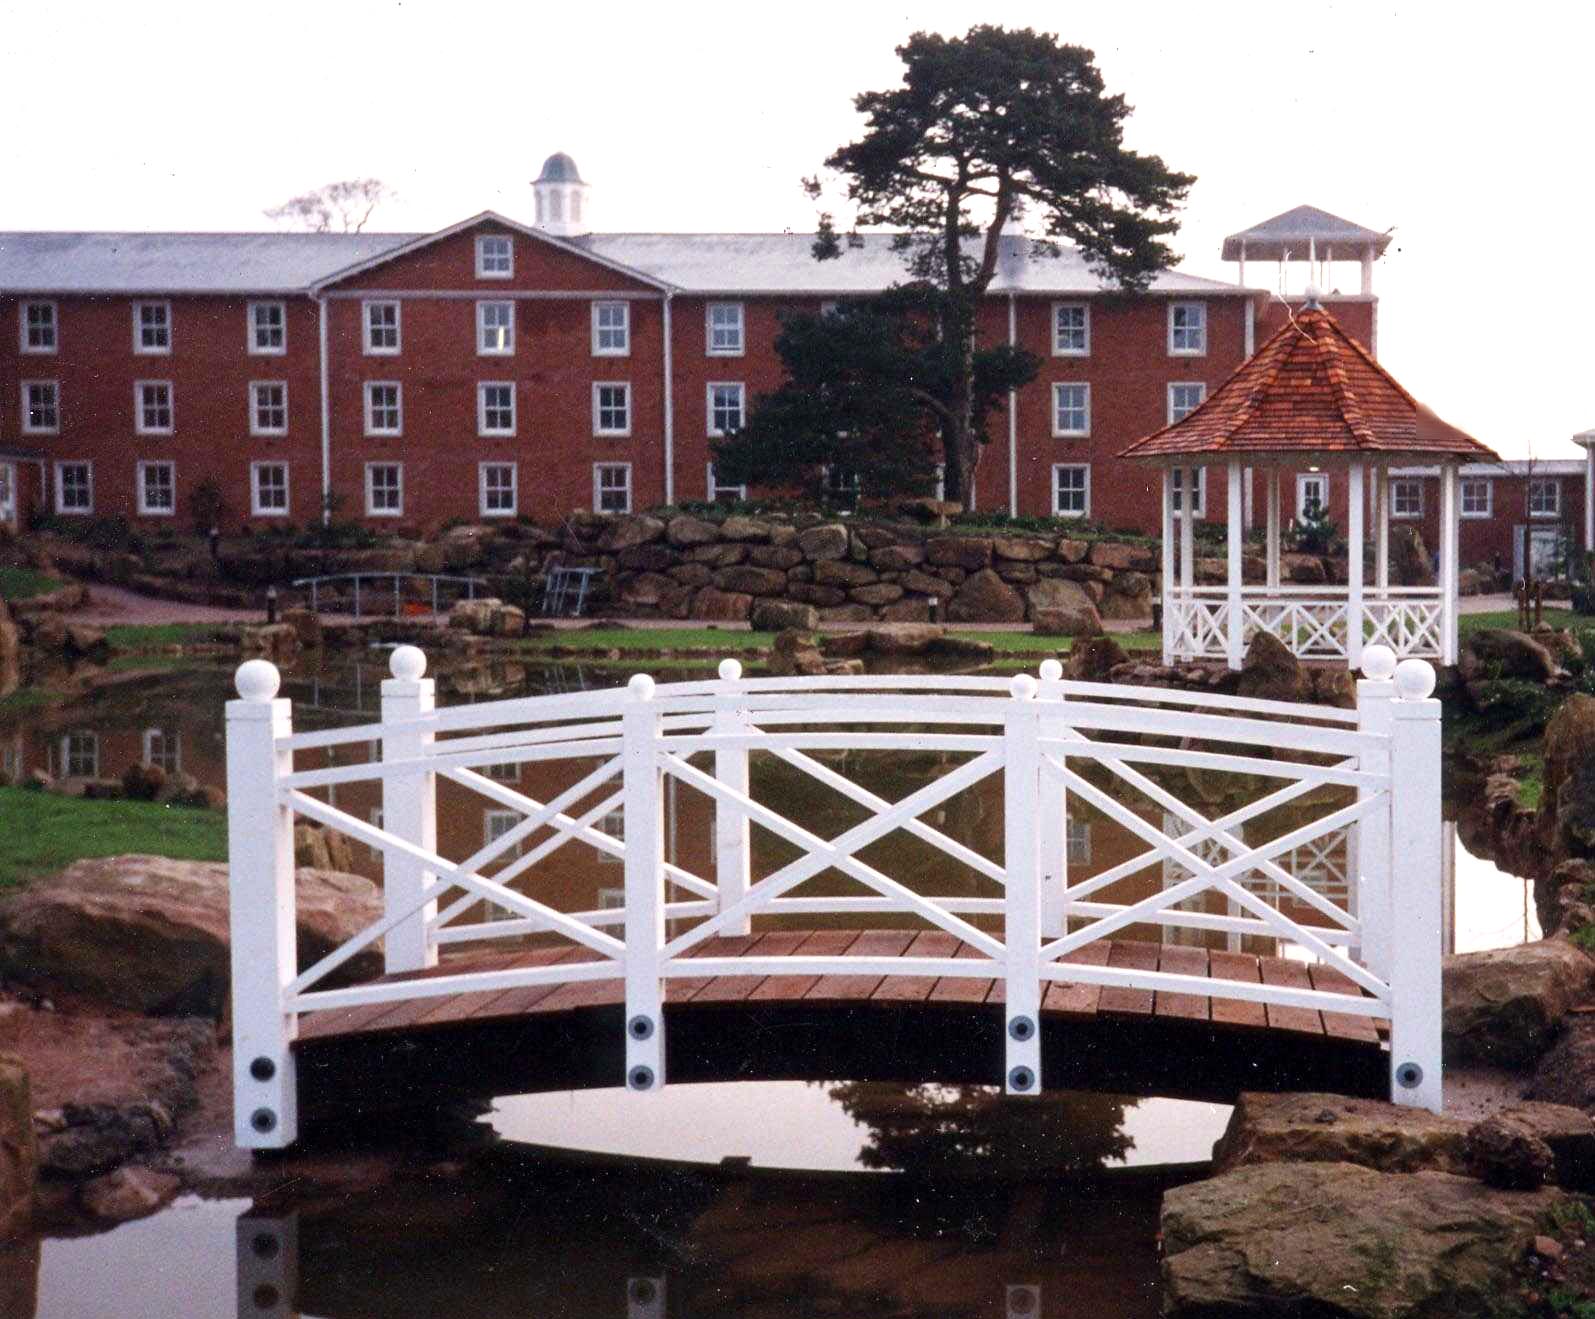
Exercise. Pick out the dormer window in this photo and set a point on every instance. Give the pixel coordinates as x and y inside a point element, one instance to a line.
<point>495,257</point>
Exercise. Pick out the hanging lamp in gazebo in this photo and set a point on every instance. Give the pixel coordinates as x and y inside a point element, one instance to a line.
<point>1312,396</point>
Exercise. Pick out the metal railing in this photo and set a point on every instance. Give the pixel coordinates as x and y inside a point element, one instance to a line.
<point>1042,739</point>
<point>394,592</point>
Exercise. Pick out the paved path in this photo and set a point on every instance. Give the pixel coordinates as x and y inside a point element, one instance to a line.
<point>109,605</point>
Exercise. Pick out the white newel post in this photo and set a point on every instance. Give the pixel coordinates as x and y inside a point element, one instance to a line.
<point>1022,896</point>
<point>645,887</point>
<point>1052,810</point>
<point>1370,842</point>
<point>409,811</point>
<point>260,849</point>
<point>1235,636</point>
<point>1167,565</point>
<point>730,824</point>
<point>1415,899</point>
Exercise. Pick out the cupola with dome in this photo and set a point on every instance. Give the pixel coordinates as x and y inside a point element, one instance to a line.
<point>561,197</point>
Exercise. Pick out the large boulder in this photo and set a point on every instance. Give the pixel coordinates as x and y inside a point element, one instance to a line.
<point>1269,671</point>
<point>744,579</point>
<point>626,532</point>
<point>306,626</point>
<point>794,654</point>
<point>1060,607</point>
<point>842,573</point>
<point>1093,659</point>
<point>1124,558</point>
<point>274,641</point>
<point>1128,597</point>
<point>1017,549</point>
<point>740,528</point>
<point>19,1153</point>
<point>1568,1132</point>
<point>1302,569</point>
<point>129,1193</point>
<point>475,616</point>
<point>1567,805</point>
<point>1503,653</point>
<point>781,615</point>
<point>1410,561</point>
<point>1505,1006</point>
<point>908,639</point>
<point>685,532</point>
<point>1334,1239</point>
<point>971,553</point>
<point>721,606</point>
<point>985,598</point>
<point>897,558</point>
<point>1325,1128</point>
<point>149,934</point>
<point>829,540</point>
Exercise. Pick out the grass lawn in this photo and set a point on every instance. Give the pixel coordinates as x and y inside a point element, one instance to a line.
<point>154,636</point>
<point>1030,643</point>
<point>41,832</point>
<point>28,698</point>
<point>24,583</point>
<point>651,638</point>
<point>1507,618</point>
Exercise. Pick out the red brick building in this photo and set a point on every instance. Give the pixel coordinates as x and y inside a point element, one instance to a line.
<point>499,369</point>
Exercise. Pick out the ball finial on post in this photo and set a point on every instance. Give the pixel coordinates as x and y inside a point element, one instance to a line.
<point>641,686</point>
<point>1023,687</point>
<point>1378,663</point>
<point>1051,670</point>
<point>407,662</point>
<point>1414,679</point>
<point>257,680</point>
<point>730,670</point>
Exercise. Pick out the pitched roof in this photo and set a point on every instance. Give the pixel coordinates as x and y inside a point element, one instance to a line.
<point>1289,231</point>
<point>1311,388</point>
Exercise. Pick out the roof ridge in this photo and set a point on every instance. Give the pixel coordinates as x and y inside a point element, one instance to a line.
<point>1340,383</point>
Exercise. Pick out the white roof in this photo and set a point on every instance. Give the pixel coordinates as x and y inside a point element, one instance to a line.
<point>134,263</point>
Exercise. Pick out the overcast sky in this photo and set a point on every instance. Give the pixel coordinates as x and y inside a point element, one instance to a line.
<point>1463,126</point>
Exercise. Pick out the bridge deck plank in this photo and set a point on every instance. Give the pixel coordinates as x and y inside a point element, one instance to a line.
<point>962,989</point>
<point>492,1003</point>
<point>1129,1002</point>
<point>680,988</point>
<point>1343,1025</point>
<point>872,943</point>
<point>1279,971</point>
<point>820,943</point>
<point>915,989</point>
<point>1077,1000</point>
<point>1182,961</point>
<point>1236,1011</point>
<point>733,989</point>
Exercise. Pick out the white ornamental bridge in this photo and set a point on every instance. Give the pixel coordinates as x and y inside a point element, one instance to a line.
<point>1020,983</point>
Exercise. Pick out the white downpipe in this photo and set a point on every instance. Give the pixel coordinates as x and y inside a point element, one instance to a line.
<point>326,413</point>
<point>1169,587</point>
<point>670,409</point>
<point>1448,563</point>
<point>1013,417</point>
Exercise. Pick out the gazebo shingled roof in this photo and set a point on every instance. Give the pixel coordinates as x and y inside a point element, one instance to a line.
<point>1311,389</point>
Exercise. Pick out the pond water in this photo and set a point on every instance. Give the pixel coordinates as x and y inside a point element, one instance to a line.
<point>187,1260</point>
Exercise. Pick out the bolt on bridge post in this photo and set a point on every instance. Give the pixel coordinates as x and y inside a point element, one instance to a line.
<point>1022,893</point>
<point>645,887</point>
<point>731,825</point>
<point>260,850</point>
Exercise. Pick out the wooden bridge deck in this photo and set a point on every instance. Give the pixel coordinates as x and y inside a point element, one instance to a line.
<point>862,1027</point>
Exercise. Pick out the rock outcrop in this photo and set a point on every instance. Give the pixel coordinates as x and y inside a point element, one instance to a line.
<point>1325,1128</point>
<point>1504,1007</point>
<point>19,1154</point>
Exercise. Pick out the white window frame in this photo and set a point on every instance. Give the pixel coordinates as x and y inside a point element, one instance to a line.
<point>719,432</point>
<point>598,486</point>
<point>1396,486</point>
<point>139,471</point>
<point>140,425</point>
<point>254,328</point>
<point>496,822</point>
<point>1201,391</point>
<point>54,386</point>
<point>482,409</point>
<point>1059,349</point>
<point>482,470</point>
<point>372,511</point>
<point>598,427</point>
<point>1489,497</point>
<point>1305,479</point>
<point>82,738</point>
<point>54,346</point>
<point>741,347</point>
<point>715,488</point>
<point>255,426</point>
<point>507,347</point>
<point>613,824</point>
<point>60,487</point>
<point>172,761</point>
<point>371,428</point>
<point>256,508</point>
<point>1058,431</point>
<point>1200,349</point>
<point>482,258</point>
<point>1058,511</point>
<point>1199,510</point>
<point>139,347</point>
<point>623,329</point>
<point>1077,841</point>
<point>1552,484</point>
<point>367,309</point>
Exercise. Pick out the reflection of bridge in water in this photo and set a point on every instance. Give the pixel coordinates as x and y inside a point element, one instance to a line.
<point>1028,973</point>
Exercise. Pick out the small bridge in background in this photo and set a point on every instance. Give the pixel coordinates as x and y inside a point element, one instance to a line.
<point>1024,979</point>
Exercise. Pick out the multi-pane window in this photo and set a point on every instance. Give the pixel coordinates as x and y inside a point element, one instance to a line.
<point>613,825</point>
<point>1071,409</point>
<point>1478,498</point>
<point>1312,494</point>
<point>384,489</point>
<point>268,407</point>
<point>37,328</point>
<point>152,327</point>
<point>384,408</point>
<point>496,489</point>
<point>1184,399</point>
<point>1077,842</point>
<point>80,756</point>
<point>495,328</point>
<point>840,484</point>
<point>74,488</point>
<point>268,489</point>
<point>163,749</point>
<point>725,329</point>
<point>1071,329</point>
<point>153,407</point>
<point>725,408</point>
<point>1071,490</point>
<point>381,328</point>
<point>268,328</point>
<point>1199,504</point>
<point>157,489</point>
<point>612,487</point>
<point>1188,328</point>
<point>612,408</point>
<point>719,492</point>
<point>495,257</point>
<point>1545,499</point>
<point>41,407</point>
<point>611,329</point>
<point>1406,498</point>
<point>495,408</point>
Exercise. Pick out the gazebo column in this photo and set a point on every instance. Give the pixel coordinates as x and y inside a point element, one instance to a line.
<point>1381,531</point>
<point>1168,565</point>
<point>1355,505</point>
<point>1273,529</point>
<point>1235,641</point>
<point>1188,536</point>
<point>1448,563</point>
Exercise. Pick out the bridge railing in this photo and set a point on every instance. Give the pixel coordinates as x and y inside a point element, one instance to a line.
<point>1373,770</point>
<point>382,590</point>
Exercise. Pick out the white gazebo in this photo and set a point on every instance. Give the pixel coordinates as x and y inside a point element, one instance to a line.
<point>1310,398</point>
